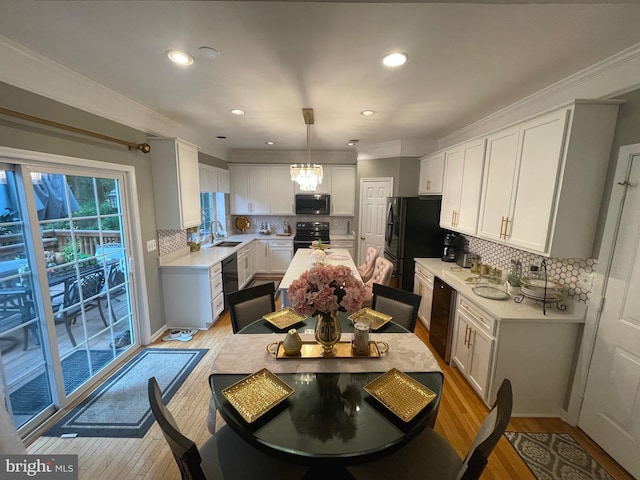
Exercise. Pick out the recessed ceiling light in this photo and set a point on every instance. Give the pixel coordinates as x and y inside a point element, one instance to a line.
<point>237,111</point>
<point>181,58</point>
<point>367,113</point>
<point>209,52</point>
<point>351,143</point>
<point>394,59</point>
<point>270,142</point>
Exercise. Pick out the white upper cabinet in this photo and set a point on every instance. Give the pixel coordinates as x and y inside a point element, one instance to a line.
<point>462,187</point>
<point>250,189</point>
<point>214,179</point>
<point>176,183</point>
<point>343,190</point>
<point>431,174</point>
<point>282,196</point>
<point>544,179</point>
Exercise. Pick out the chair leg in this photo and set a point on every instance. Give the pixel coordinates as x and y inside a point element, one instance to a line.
<point>67,324</point>
<point>104,320</point>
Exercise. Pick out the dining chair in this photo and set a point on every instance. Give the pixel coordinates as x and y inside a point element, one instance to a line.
<point>381,274</point>
<point>249,304</point>
<point>73,301</point>
<point>401,305</point>
<point>223,456</point>
<point>366,269</point>
<point>430,457</point>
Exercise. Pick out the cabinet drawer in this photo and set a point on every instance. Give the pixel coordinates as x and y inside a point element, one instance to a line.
<point>215,270</point>
<point>426,275</point>
<point>216,285</point>
<point>217,306</point>
<point>281,243</point>
<point>476,314</point>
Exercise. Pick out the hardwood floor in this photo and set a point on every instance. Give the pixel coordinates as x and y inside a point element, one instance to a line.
<point>460,415</point>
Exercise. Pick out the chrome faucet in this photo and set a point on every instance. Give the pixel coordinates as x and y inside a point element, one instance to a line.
<point>219,230</point>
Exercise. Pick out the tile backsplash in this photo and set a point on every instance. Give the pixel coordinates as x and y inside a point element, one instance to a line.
<point>170,241</point>
<point>566,270</point>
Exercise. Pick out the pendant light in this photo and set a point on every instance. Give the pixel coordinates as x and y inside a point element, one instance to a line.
<point>307,176</point>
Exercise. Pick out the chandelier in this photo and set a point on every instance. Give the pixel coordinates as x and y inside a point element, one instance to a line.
<point>307,176</point>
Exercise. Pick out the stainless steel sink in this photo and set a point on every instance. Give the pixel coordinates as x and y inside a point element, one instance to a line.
<point>227,244</point>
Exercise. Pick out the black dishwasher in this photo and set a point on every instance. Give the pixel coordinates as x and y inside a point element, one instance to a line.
<point>229,276</point>
<point>442,310</point>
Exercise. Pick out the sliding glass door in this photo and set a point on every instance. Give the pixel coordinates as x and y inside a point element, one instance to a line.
<point>65,296</point>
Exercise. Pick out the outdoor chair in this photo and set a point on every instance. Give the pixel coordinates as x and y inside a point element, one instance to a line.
<point>223,456</point>
<point>68,311</point>
<point>248,305</point>
<point>430,457</point>
<point>400,304</point>
<point>366,269</point>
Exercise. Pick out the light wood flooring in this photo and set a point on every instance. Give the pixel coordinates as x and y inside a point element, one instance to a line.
<point>460,415</point>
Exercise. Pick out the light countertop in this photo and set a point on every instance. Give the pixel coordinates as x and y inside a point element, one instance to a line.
<point>302,262</point>
<point>508,309</point>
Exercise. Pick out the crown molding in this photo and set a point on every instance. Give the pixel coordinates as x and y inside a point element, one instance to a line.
<point>411,147</point>
<point>35,73</point>
<point>615,75</point>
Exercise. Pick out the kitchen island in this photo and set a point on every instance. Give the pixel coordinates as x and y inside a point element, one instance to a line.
<point>302,262</point>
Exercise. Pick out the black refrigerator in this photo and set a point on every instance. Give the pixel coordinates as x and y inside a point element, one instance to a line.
<point>412,231</point>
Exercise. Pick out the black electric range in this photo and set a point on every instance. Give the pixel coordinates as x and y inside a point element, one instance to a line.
<point>308,232</point>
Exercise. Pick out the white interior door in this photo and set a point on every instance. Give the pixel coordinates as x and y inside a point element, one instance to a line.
<point>611,409</point>
<point>373,203</point>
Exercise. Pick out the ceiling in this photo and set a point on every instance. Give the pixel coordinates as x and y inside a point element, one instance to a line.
<point>466,61</point>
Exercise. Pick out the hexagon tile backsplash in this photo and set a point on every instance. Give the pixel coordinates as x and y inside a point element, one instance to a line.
<point>565,270</point>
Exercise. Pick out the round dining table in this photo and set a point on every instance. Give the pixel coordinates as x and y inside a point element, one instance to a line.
<point>329,421</point>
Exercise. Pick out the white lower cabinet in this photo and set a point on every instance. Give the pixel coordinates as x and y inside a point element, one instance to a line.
<point>473,345</point>
<point>246,265</point>
<point>423,286</point>
<point>273,256</point>
<point>347,244</point>
<point>193,297</point>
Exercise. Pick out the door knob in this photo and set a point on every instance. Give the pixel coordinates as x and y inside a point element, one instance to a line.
<point>362,238</point>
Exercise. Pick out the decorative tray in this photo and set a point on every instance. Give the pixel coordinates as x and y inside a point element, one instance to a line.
<point>242,223</point>
<point>324,246</point>
<point>312,349</point>
<point>284,318</point>
<point>370,317</point>
<point>337,256</point>
<point>400,393</point>
<point>551,295</point>
<point>491,293</point>
<point>256,394</point>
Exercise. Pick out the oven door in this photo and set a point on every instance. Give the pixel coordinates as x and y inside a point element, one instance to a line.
<point>301,244</point>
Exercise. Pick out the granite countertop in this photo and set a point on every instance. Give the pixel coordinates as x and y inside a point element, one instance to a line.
<point>508,309</point>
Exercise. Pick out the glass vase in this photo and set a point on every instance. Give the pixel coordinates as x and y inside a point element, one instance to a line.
<point>328,332</point>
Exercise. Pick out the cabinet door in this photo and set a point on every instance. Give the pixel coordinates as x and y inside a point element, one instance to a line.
<point>239,189</point>
<point>541,149</point>
<point>281,256</point>
<point>479,369</point>
<point>224,182</point>
<point>259,190</point>
<point>466,220</point>
<point>324,187</point>
<point>282,196</point>
<point>422,288</point>
<point>499,171</point>
<point>188,181</point>
<point>451,188</point>
<point>343,190</point>
<point>461,354</point>
<point>431,174</point>
<point>261,251</point>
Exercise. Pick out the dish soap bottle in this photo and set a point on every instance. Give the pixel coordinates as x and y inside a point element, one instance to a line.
<point>516,273</point>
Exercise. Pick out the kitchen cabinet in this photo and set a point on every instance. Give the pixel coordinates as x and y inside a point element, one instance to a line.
<point>324,187</point>
<point>281,188</point>
<point>347,244</point>
<point>250,189</point>
<point>544,179</point>
<point>343,190</point>
<point>176,184</point>
<point>246,265</point>
<point>203,289</point>
<point>462,187</point>
<point>214,179</point>
<point>423,286</point>
<point>273,256</point>
<point>473,345</point>
<point>431,174</point>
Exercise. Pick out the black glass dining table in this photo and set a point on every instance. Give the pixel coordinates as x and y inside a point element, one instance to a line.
<point>329,421</point>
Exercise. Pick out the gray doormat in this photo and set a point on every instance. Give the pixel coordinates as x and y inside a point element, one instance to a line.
<point>556,456</point>
<point>120,406</point>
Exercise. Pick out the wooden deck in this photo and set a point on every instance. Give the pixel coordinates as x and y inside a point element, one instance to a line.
<point>460,415</point>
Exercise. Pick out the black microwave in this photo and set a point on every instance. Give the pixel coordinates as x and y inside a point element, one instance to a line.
<point>309,204</point>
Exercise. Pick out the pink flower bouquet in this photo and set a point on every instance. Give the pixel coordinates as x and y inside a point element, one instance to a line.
<point>326,288</point>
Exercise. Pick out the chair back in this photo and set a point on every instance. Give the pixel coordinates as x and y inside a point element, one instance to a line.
<point>248,305</point>
<point>381,272</point>
<point>401,305</point>
<point>184,450</point>
<point>366,269</point>
<point>489,433</point>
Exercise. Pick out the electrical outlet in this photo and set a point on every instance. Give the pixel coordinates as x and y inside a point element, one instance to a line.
<point>151,245</point>
<point>336,222</point>
<point>585,280</point>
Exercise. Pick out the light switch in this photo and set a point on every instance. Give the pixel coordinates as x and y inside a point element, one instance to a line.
<point>151,245</point>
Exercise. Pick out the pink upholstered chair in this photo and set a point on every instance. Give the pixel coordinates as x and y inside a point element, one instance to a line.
<point>366,269</point>
<point>381,274</point>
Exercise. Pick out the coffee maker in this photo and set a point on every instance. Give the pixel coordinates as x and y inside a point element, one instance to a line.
<point>451,247</point>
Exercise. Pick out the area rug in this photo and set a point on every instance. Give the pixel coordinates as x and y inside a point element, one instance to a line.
<point>556,456</point>
<point>29,399</point>
<point>120,406</point>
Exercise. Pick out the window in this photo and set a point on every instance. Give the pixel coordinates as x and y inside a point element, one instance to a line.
<point>213,208</point>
